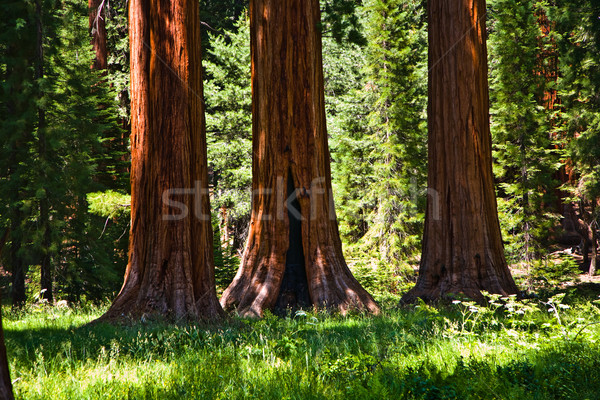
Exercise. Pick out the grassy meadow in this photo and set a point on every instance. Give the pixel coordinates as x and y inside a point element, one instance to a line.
<point>541,348</point>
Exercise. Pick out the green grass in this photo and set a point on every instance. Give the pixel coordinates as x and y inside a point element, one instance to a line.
<point>506,350</point>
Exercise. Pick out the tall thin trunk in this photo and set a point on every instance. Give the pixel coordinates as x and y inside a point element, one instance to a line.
<point>462,244</point>
<point>17,173</point>
<point>3,240</point>
<point>19,297</point>
<point>293,256</point>
<point>594,239</point>
<point>525,199</point>
<point>45,262</point>
<point>171,268</point>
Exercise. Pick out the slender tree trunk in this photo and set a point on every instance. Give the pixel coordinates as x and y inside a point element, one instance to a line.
<point>293,256</point>
<point>3,240</point>
<point>592,236</point>
<point>19,297</point>
<point>525,200</point>
<point>171,269</point>
<point>19,107</point>
<point>582,228</point>
<point>462,244</point>
<point>594,259</point>
<point>98,31</point>
<point>45,262</point>
<point>6,392</point>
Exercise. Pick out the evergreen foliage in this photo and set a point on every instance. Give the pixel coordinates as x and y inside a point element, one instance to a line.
<point>55,140</point>
<point>377,101</point>
<point>229,129</point>
<point>340,21</point>
<point>524,150</point>
<point>397,73</point>
<point>578,41</point>
<point>115,16</point>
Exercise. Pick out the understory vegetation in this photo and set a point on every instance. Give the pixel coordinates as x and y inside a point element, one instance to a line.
<point>540,348</point>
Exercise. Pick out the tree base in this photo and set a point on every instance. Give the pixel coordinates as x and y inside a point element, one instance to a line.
<point>429,292</point>
<point>134,305</point>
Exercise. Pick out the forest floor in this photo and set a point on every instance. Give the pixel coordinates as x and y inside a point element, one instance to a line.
<point>544,347</point>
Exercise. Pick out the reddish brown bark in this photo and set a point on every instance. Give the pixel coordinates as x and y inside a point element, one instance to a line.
<point>170,270</point>
<point>289,259</point>
<point>6,392</point>
<point>98,31</point>
<point>462,245</point>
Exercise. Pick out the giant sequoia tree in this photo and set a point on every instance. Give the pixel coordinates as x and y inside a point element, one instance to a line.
<point>170,268</point>
<point>293,255</point>
<point>462,245</point>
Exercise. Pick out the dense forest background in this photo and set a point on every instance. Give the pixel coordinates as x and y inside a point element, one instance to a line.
<point>64,162</point>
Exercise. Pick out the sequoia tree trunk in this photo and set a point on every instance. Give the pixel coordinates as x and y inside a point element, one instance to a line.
<point>98,32</point>
<point>293,256</point>
<point>462,246</point>
<point>6,392</point>
<point>171,269</point>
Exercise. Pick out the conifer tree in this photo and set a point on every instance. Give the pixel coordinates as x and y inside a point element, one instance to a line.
<point>229,125</point>
<point>396,72</point>
<point>170,270</point>
<point>17,116</point>
<point>376,99</point>
<point>52,146</point>
<point>577,34</point>
<point>292,258</point>
<point>526,159</point>
<point>462,244</point>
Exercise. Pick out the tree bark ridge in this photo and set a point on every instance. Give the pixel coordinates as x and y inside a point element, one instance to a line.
<point>290,142</point>
<point>171,269</point>
<point>462,245</point>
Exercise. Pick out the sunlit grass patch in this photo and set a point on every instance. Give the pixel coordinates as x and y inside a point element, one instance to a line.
<point>506,349</point>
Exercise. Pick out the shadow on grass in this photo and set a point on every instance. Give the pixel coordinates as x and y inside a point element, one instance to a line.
<point>314,356</point>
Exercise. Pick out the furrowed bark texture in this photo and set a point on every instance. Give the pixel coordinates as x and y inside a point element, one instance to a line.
<point>170,270</point>
<point>462,244</point>
<point>290,144</point>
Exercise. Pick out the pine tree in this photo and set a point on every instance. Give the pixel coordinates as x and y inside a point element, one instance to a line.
<point>577,34</point>
<point>229,125</point>
<point>376,99</point>
<point>17,113</point>
<point>526,159</point>
<point>397,65</point>
<point>52,146</point>
<point>348,100</point>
